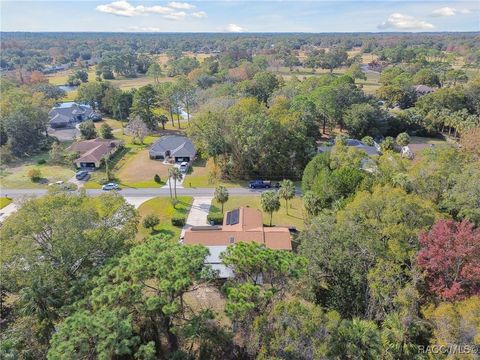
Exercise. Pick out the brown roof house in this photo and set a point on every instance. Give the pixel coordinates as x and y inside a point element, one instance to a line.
<point>240,225</point>
<point>92,152</point>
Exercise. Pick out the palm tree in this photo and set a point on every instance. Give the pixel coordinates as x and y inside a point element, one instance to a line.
<point>270,203</point>
<point>221,195</point>
<point>170,175</point>
<point>287,191</point>
<point>176,175</point>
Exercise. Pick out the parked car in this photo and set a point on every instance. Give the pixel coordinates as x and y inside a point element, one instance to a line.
<point>110,186</point>
<point>81,175</point>
<point>259,184</point>
<point>184,167</point>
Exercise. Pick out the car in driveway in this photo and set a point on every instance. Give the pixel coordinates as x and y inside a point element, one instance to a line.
<point>110,186</point>
<point>184,167</point>
<point>82,175</point>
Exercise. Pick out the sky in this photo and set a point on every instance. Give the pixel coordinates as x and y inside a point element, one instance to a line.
<point>239,16</point>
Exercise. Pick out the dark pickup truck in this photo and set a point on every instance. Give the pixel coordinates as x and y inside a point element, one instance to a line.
<point>261,184</point>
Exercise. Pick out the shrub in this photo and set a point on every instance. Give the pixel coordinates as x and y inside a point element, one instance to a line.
<point>41,161</point>
<point>179,220</point>
<point>368,140</point>
<point>106,131</point>
<point>388,144</point>
<point>403,139</point>
<point>34,174</point>
<point>157,179</point>
<point>217,218</point>
<point>150,221</point>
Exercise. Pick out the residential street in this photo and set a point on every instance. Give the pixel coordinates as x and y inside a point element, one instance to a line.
<point>138,192</point>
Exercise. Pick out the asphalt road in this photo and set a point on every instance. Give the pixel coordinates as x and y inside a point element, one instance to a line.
<point>137,192</point>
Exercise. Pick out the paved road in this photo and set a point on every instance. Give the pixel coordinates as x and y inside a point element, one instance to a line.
<point>136,192</point>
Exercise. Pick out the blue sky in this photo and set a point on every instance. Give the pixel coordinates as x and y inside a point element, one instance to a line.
<point>239,16</point>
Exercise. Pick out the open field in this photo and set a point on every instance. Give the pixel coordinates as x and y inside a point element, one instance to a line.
<point>17,177</point>
<point>370,85</point>
<point>201,176</point>
<point>163,208</point>
<point>4,201</point>
<point>295,215</point>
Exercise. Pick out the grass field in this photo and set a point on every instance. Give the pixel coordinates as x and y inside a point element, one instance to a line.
<point>201,176</point>
<point>17,177</point>
<point>295,210</point>
<point>163,208</point>
<point>4,201</point>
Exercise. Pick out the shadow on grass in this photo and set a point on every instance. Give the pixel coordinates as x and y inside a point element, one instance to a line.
<point>168,233</point>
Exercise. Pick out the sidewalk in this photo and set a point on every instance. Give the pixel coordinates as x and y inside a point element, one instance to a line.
<point>7,211</point>
<point>198,213</point>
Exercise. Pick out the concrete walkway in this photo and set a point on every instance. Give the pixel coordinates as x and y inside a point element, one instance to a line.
<point>198,213</point>
<point>7,211</point>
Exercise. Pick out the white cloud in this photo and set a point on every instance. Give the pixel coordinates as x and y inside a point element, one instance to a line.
<point>144,29</point>
<point>199,14</point>
<point>404,22</point>
<point>235,28</point>
<point>179,15</point>
<point>180,5</point>
<point>170,12</point>
<point>124,8</point>
<point>444,11</point>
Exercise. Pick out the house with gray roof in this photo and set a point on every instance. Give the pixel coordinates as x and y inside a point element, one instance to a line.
<point>68,114</point>
<point>179,148</point>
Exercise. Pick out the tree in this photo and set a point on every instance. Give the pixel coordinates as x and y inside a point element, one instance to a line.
<point>356,338</point>
<point>270,203</point>
<point>137,128</point>
<point>312,203</point>
<point>403,139</point>
<point>175,174</point>
<point>186,93</point>
<point>221,195</point>
<point>91,94</point>
<point>56,154</point>
<point>139,303</point>
<point>364,119</point>
<point>155,72</point>
<point>150,221</point>
<point>87,130</point>
<point>157,179</point>
<point>144,101</point>
<point>34,174</point>
<point>287,191</point>
<point>387,144</point>
<point>264,83</point>
<point>368,140</point>
<point>426,77</point>
<point>106,131</point>
<point>163,119</point>
<point>450,256</point>
<point>65,242</point>
<point>355,72</point>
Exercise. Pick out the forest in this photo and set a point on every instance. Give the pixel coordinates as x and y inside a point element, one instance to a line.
<point>386,264</point>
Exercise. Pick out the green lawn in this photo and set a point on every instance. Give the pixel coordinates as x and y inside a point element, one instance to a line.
<point>200,176</point>
<point>17,177</point>
<point>163,208</point>
<point>294,217</point>
<point>4,201</point>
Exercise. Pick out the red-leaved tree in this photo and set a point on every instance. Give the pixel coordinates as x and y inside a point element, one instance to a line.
<point>450,257</point>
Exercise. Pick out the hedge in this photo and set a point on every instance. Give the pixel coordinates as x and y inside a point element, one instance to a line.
<point>217,218</point>
<point>179,220</point>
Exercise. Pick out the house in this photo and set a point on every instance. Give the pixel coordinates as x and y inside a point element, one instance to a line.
<point>69,113</point>
<point>423,90</point>
<point>357,144</point>
<point>92,152</point>
<point>179,148</point>
<point>240,225</point>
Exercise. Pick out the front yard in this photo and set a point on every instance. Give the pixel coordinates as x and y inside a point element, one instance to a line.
<point>4,201</point>
<point>16,177</point>
<point>202,176</point>
<point>163,208</point>
<point>295,215</point>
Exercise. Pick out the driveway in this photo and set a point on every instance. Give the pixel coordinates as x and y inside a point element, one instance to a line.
<point>65,134</point>
<point>7,211</point>
<point>198,212</point>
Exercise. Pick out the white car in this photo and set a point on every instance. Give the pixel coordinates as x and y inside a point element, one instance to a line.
<point>110,186</point>
<point>184,167</point>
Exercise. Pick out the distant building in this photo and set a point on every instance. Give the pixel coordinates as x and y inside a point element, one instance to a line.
<point>92,152</point>
<point>239,225</point>
<point>357,144</point>
<point>179,148</point>
<point>70,113</point>
<point>423,90</point>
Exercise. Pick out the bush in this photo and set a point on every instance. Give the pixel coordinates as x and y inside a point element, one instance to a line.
<point>368,140</point>
<point>387,144</point>
<point>157,179</point>
<point>403,139</point>
<point>150,221</point>
<point>106,131</point>
<point>34,174</point>
<point>217,218</point>
<point>179,220</point>
<point>41,161</point>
